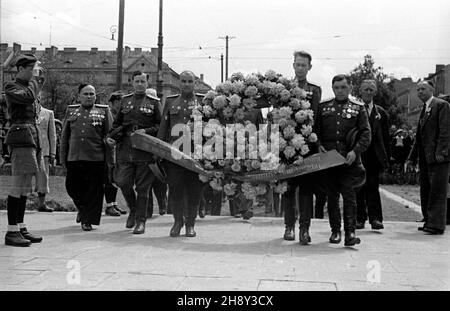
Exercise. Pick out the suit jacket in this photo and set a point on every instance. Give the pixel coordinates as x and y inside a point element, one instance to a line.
<point>433,133</point>
<point>380,142</point>
<point>46,124</point>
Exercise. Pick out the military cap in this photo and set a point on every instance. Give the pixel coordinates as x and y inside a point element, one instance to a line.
<point>25,59</point>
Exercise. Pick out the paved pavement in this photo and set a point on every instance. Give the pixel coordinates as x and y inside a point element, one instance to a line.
<point>227,254</point>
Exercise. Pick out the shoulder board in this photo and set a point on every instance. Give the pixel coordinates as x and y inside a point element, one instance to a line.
<point>102,106</point>
<point>128,95</point>
<point>199,95</point>
<point>173,96</point>
<point>73,106</point>
<point>327,100</point>
<point>152,97</point>
<point>355,101</point>
<point>313,84</point>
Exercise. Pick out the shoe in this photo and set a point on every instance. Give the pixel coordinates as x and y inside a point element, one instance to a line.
<point>111,211</point>
<point>351,239</point>
<point>247,215</point>
<point>140,227</point>
<point>377,225</point>
<point>421,220</point>
<point>162,211</point>
<point>190,232</point>
<point>78,220</point>
<point>421,228</point>
<point>289,234</point>
<point>201,212</point>
<point>86,227</point>
<point>175,231</point>
<point>304,237</point>
<point>131,221</point>
<point>45,208</point>
<point>30,237</point>
<point>433,231</point>
<point>122,211</point>
<point>335,237</point>
<point>360,224</point>
<point>16,239</point>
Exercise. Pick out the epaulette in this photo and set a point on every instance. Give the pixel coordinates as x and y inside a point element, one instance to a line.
<point>128,95</point>
<point>102,106</point>
<point>173,96</point>
<point>199,95</point>
<point>74,106</point>
<point>313,84</point>
<point>152,97</point>
<point>355,101</point>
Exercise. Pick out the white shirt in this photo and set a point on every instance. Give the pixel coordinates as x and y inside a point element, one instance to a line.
<point>428,103</point>
<point>369,108</point>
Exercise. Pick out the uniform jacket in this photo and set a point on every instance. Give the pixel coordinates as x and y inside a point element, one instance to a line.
<point>46,122</point>
<point>335,120</point>
<point>433,133</point>
<point>176,111</point>
<point>135,112</point>
<point>314,94</point>
<point>380,140</point>
<point>22,101</point>
<point>84,131</point>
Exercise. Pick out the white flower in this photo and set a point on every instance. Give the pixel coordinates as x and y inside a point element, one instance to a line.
<point>216,184</point>
<point>203,178</point>
<point>301,116</point>
<point>299,93</point>
<point>281,187</point>
<point>305,149</point>
<point>299,160</point>
<point>306,130</point>
<point>251,91</point>
<point>289,152</point>
<point>298,141</point>
<point>235,100</point>
<point>295,104</point>
<point>288,132</point>
<point>236,167</point>
<point>271,75</point>
<point>219,102</point>
<point>285,95</point>
<point>305,104</point>
<point>256,164</point>
<point>285,112</point>
<point>313,137</point>
<point>230,189</point>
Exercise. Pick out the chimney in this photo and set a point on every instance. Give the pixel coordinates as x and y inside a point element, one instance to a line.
<point>127,51</point>
<point>33,50</point>
<point>202,76</point>
<point>94,50</point>
<point>137,51</point>
<point>16,47</point>
<point>439,68</point>
<point>3,47</point>
<point>54,51</point>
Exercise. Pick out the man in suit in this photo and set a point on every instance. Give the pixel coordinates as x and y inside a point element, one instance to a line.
<point>46,124</point>
<point>432,148</point>
<point>374,159</point>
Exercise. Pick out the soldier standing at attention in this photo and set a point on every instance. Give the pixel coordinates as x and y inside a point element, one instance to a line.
<point>343,124</point>
<point>83,154</point>
<point>184,185</point>
<point>138,113</point>
<point>24,146</point>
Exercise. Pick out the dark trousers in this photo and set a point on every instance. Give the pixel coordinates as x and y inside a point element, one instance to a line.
<point>321,199</point>
<point>211,200</point>
<point>84,184</point>
<point>345,180</point>
<point>130,174</point>
<point>334,212</point>
<point>368,198</point>
<point>184,193</point>
<point>160,191</point>
<point>433,193</point>
<point>110,193</point>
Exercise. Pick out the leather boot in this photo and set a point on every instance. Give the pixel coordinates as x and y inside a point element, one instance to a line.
<point>351,239</point>
<point>30,237</point>
<point>190,232</point>
<point>335,237</point>
<point>304,237</point>
<point>42,206</point>
<point>140,227</point>
<point>289,233</point>
<point>131,220</point>
<point>111,211</point>
<point>176,228</point>
<point>16,239</point>
<point>120,210</point>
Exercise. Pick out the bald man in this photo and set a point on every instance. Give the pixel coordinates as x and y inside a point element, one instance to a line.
<point>432,148</point>
<point>375,160</point>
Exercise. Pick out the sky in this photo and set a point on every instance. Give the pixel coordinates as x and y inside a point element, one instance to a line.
<point>405,37</point>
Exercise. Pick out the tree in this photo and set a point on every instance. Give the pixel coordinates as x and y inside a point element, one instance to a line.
<point>386,96</point>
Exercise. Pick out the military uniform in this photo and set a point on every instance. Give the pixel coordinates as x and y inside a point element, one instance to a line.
<point>344,126</point>
<point>136,112</point>
<point>184,185</point>
<point>24,149</point>
<point>4,120</point>
<point>307,185</point>
<point>83,153</point>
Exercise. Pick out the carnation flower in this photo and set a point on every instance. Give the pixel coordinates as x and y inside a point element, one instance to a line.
<point>230,189</point>
<point>216,184</point>
<point>256,164</point>
<point>221,163</point>
<point>203,178</point>
<point>239,115</point>
<point>313,137</point>
<point>305,104</point>
<point>283,122</point>
<point>209,111</point>
<point>225,87</point>
<point>252,80</point>
<point>299,160</point>
<point>276,89</point>
<point>306,130</point>
<point>207,165</point>
<point>285,95</point>
<point>281,187</point>
<point>285,81</point>
<point>237,76</point>
<point>288,132</point>
<point>248,190</point>
<point>251,91</point>
<point>248,165</point>
<point>219,102</point>
<point>301,116</point>
<point>238,87</point>
<point>304,150</point>
<point>235,100</point>
<point>289,152</point>
<point>299,93</point>
<point>236,167</point>
<point>228,112</point>
<point>285,112</point>
<point>210,95</point>
<point>282,143</point>
<point>271,75</point>
<point>249,103</point>
<point>298,141</point>
<point>295,104</point>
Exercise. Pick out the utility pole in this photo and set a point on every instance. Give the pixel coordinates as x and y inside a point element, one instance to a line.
<point>227,38</point>
<point>120,45</point>
<point>221,67</point>
<point>160,78</point>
